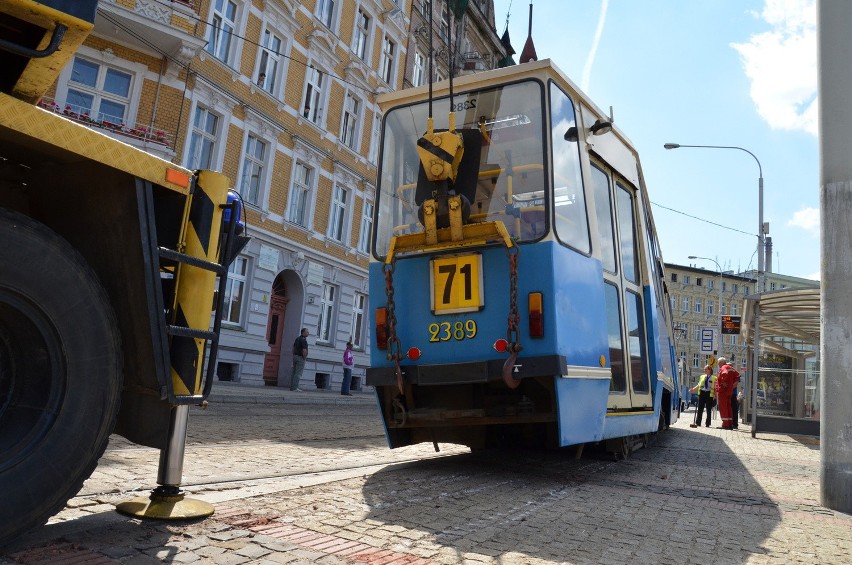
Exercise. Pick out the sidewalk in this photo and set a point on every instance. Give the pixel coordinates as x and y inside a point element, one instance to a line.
<point>239,393</point>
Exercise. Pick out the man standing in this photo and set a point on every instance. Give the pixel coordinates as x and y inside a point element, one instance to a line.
<point>726,384</point>
<point>705,396</point>
<point>300,353</point>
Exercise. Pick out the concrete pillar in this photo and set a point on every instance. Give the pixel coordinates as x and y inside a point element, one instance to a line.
<point>835,123</point>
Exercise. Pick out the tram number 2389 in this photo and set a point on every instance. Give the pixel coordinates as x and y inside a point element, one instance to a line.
<point>446,331</point>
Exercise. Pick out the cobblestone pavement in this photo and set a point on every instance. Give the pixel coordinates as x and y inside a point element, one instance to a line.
<point>315,483</point>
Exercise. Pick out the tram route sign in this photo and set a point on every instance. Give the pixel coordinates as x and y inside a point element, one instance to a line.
<point>731,325</point>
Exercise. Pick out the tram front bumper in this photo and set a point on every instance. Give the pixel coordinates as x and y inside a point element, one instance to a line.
<point>468,373</point>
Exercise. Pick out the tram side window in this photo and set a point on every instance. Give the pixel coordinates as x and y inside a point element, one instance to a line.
<point>603,211</point>
<point>569,202</point>
<point>616,345</point>
<point>627,231</point>
<point>636,343</point>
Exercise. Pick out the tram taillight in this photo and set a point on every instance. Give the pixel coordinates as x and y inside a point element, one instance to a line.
<point>536,319</point>
<point>382,328</point>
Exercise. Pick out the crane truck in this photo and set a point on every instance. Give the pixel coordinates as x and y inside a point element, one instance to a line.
<point>109,258</point>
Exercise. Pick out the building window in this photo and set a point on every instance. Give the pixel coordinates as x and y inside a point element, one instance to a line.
<point>221,29</point>
<point>325,12</point>
<point>313,95</point>
<point>696,333</point>
<point>771,286</point>
<point>366,228</point>
<point>326,316</point>
<point>723,309</point>
<point>234,291</point>
<point>362,34</point>
<point>724,286</point>
<point>300,192</point>
<point>686,279</point>
<point>711,284</point>
<point>698,281</point>
<point>685,304</point>
<point>270,65</point>
<point>202,140</point>
<point>710,307</point>
<point>696,361</point>
<point>445,21</point>
<point>252,178</point>
<point>419,71</point>
<point>674,277</point>
<point>388,54</point>
<point>351,121</point>
<point>338,213</point>
<point>735,309</point>
<point>98,92</point>
<point>359,306</point>
<point>736,288</point>
<point>697,305</point>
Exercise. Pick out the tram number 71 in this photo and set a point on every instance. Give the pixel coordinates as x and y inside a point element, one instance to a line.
<point>456,284</point>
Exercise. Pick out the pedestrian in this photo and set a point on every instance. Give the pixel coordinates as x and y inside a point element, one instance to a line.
<point>300,353</point>
<point>726,387</point>
<point>348,363</point>
<point>706,395</point>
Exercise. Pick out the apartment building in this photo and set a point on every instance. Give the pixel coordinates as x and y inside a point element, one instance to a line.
<point>281,96</point>
<point>696,295</point>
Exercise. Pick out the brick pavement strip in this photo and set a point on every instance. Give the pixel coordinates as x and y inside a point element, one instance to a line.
<point>694,496</point>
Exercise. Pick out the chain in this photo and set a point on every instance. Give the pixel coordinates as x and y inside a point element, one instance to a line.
<point>394,348</point>
<point>512,331</point>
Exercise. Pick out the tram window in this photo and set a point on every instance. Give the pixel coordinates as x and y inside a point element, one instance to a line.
<point>510,173</point>
<point>569,202</point>
<point>603,210</point>
<point>616,346</point>
<point>627,233</point>
<point>636,343</point>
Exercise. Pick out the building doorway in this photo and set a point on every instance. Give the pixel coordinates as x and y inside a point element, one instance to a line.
<point>275,330</point>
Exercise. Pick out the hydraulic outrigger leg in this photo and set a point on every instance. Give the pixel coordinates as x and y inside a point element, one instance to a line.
<point>168,501</point>
<point>195,281</point>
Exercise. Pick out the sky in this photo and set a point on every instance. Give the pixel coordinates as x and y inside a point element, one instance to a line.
<point>702,72</point>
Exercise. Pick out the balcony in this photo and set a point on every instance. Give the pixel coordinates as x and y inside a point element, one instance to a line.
<point>166,25</point>
<point>146,138</point>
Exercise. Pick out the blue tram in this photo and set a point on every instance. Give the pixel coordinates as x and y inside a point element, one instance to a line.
<point>516,280</point>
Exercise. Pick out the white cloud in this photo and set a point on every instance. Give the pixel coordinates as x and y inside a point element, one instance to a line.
<point>782,65</point>
<point>807,219</point>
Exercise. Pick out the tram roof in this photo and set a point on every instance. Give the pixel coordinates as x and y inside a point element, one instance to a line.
<point>488,78</point>
<point>791,313</point>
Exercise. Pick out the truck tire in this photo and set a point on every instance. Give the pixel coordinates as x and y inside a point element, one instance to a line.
<point>60,373</point>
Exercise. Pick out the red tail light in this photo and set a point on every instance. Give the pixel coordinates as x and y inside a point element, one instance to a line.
<point>536,319</point>
<point>501,345</point>
<point>382,328</point>
<point>414,353</point>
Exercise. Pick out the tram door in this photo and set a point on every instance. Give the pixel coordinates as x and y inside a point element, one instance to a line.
<point>615,207</point>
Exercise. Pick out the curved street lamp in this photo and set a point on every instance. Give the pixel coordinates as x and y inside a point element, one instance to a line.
<point>760,258</point>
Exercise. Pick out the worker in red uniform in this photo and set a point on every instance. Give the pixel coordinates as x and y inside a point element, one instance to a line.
<point>726,382</point>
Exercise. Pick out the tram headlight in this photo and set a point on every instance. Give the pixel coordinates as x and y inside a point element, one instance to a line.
<point>536,316</point>
<point>382,327</point>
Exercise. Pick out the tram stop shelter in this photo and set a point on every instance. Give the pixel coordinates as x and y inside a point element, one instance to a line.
<point>788,394</point>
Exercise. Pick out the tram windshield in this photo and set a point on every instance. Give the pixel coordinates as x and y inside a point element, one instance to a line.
<point>506,124</point>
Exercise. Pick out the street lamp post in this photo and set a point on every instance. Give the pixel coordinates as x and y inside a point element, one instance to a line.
<point>760,259</point>
<point>718,266</point>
